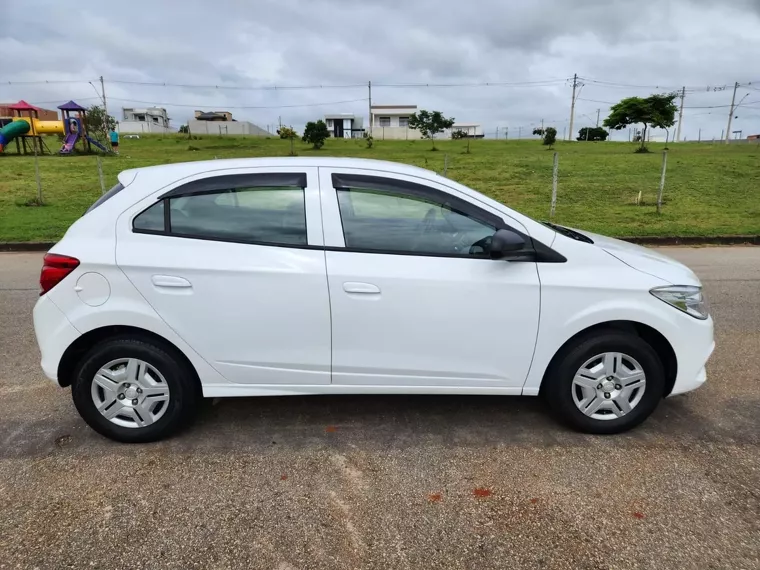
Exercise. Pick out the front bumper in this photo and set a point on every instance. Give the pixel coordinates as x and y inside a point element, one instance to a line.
<point>692,353</point>
<point>54,335</point>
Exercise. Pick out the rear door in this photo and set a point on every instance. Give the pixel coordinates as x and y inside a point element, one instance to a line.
<point>233,262</point>
<point>415,298</point>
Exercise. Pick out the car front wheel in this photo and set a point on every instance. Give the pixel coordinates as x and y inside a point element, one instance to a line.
<point>606,383</point>
<point>134,391</point>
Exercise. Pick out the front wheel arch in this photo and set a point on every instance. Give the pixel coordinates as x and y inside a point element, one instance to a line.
<point>651,336</point>
<point>84,343</point>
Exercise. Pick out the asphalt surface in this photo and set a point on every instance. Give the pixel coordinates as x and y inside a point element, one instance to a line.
<point>389,482</point>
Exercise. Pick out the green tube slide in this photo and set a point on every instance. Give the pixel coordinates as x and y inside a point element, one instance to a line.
<point>11,131</point>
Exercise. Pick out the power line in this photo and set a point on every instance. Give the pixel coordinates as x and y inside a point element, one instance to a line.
<point>235,87</point>
<point>201,105</point>
<point>48,81</point>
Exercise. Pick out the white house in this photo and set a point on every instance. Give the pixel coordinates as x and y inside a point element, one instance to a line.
<point>345,125</point>
<point>392,121</point>
<point>472,130</point>
<point>147,120</point>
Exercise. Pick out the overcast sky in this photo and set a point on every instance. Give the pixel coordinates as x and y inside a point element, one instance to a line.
<point>659,44</point>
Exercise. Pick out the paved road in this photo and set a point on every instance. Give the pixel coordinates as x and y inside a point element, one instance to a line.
<point>389,482</point>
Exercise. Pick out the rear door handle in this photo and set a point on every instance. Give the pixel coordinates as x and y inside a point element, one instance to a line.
<point>356,287</point>
<point>170,281</point>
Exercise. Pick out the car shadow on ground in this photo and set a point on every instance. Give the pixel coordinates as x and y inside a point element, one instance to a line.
<point>375,422</point>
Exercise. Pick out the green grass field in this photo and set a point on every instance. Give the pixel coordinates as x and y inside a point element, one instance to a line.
<point>711,189</point>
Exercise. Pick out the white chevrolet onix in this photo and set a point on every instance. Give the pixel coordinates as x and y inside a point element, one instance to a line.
<point>292,276</point>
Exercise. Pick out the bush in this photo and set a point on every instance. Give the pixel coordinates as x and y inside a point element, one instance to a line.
<point>287,133</point>
<point>316,133</point>
<point>458,134</point>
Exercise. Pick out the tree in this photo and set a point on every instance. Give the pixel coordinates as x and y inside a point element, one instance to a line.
<point>550,136</point>
<point>184,129</point>
<point>538,131</point>
<point>458,134</point>
<point>96,119</point>
<point>592,134</point>
<point>315,133</point>
<point>287,133</point>
<point>657,111</point>
<point>429,124</point>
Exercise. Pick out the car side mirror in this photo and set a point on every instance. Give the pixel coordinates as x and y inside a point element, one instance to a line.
<point>506,243</point>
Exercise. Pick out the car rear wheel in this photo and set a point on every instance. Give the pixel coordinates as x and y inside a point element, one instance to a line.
<point>606,383</point>
<point>134,391</point>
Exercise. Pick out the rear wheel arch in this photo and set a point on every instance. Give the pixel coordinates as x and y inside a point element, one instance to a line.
<point>651,336</point>
<point>74,353</point>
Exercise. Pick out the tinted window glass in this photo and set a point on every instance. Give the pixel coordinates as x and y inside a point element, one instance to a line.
<point>151,219</point>
<point>269,215</point>
<point>383,221</point>
<point>110,194</point>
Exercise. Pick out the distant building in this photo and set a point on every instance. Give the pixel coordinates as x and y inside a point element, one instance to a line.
<point>43,114</point>
<point>148,120</point>
<point>221,123</point>
<point>392,121</point>
<point>753,138</point>
<point>472,130</point>
<point>213,116</point>
<point>345,125</point>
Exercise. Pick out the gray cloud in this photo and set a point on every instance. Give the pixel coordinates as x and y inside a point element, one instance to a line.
<point>658,44</point>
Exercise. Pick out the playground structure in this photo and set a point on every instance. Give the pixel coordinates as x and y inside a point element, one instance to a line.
<point>26,129</point>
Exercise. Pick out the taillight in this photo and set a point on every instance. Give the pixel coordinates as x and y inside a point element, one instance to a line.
<point>54,268</point>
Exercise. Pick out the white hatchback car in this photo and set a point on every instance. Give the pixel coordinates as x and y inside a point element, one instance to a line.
<point>262,277</point>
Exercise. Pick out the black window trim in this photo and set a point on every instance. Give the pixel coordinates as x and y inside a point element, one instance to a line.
<point>214,184</point>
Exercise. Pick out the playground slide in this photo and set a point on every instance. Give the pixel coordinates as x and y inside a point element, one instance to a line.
<point>69,142</point>
<point>11,131</point>
<point>97,144</point>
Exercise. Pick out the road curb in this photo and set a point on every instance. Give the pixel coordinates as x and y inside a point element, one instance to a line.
<point>26,246</point>
<point>642,240</point>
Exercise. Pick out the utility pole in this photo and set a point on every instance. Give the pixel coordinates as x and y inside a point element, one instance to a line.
<point>105,106</point>
<point>572,107</point>
<point>519,132</point>
<point>731,114</point>
<point>597,117</point>
<point>506,134</point>
<point>497,133</point>
<point>680,116</point>
<point>369,88</point>
<point>542,126</point>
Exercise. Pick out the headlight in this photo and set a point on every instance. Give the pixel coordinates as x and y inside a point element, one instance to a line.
<point>687,298</point>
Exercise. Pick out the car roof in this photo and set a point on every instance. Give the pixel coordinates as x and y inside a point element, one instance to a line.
<point>170,172</point>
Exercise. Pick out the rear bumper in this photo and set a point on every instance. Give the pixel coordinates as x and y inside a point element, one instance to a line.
<point>696,347</point>
<point>54,335</point>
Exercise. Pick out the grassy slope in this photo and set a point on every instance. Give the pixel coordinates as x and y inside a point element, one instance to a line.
<point>710,189</point>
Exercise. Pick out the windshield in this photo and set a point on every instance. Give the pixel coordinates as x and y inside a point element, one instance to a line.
<point>572,234</point>
<point>110,194</point>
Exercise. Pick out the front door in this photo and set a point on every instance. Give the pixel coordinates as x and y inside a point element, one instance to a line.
<point>233,271</point>
<point>338,131</point>
<point>415,299</point>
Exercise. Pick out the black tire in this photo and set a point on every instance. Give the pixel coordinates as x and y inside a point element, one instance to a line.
<point>181,379</point>
<point>557,389</point>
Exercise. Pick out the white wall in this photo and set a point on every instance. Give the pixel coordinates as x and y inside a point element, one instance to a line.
<point>142,127</point>
<point>227,128</point>
<point>397,133</point>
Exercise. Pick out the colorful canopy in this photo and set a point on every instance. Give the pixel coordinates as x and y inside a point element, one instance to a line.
<point>71,106</point>
<point>23,106</point>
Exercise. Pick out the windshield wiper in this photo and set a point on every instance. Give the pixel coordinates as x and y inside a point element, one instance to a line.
<point>572,234</point>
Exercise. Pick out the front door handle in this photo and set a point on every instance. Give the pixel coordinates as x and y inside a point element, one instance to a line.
<point>170,281</point>
<point>365,288</point>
